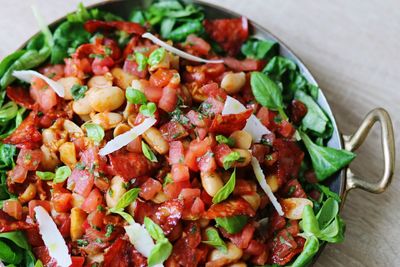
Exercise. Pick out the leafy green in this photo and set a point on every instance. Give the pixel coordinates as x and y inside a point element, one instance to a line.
<point>181,32</point>
<point>78,91</point>
<point>230,159</point>
<point>157,56</point>
<point>327,212</point>
<point>225,140</point>
<point>326,160</point>
<point>224,192</point>
<point>232,224</point>
<point>45,176</point>
<point>126,199</point>
<point>7,153</point>
<point>310,248</point>
<point>20,253</point>
<point>148,109</point>
<point>94,132</point>
<point>9,253</point>
<point>267,93</point>
<point>160,252</point>
<point>154,229</point>
<point>135,96</point>
<point>213,239</point>
<point>148,153</point>
<point>62,174</point>
<point>141,60</point>
<point>259,49</point>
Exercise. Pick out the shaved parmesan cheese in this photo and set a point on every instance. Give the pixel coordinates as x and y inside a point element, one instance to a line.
<point>176,51</point>
<point>125,138</point>
<point>52,238</point>
<point>27,75</point>
<point>263,183</point>
<point>253,126</point>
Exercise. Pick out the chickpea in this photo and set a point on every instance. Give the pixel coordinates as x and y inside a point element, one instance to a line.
<point>106,98</point>
<point>49,160</point>
<point>272,181</point>
<point>211,182</point>
<point>293,207</point>
<point>233,254</point>
<point>101,81</point>
<point>242,139</point>
<point>82,105</point>
<point>245,157</point>
<point>68,83</point>
<point>107,120</point>
<point>121,78</point>
<point>115,192</point>
<point>120,129</point>
<point>254,200</point>
<point>68,154</point>
<point>28,194</point>
<point>233,82</point>
<point>156,141</point>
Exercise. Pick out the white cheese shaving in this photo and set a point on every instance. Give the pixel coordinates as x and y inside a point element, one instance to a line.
<point>263,183</point>
<point>27,75</point>
<point>141,239</point>
<point>52,238</point>
<point>125,138</point>
<point>253,126</point>
<point>176,51</point>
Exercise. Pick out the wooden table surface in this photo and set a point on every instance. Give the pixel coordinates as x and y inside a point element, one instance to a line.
<point>352,48</point>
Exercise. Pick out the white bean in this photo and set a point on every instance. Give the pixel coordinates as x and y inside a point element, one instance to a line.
<point>211,182</point>
<point>233,254</point>
<point>115,192</point>
<point>254,200</point>
<point>120,129</point>
<point>68,83</point>
<point>49,160</point>
<point>82,105</point>
<point>242,139</point>
<point>121,78</point>
<point>101,81</point>
<point>293,207</point>
<point>106,98</point>
<point>72,128</point>
<point>107,120</point>
<point>245,157</point>
<point>156,141</point>
<point>233,82</point>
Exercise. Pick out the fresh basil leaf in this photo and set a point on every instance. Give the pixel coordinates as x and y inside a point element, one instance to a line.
<point>326,160</point>
<point>148,153</point>
<point>157,56</point>
<point>148,109</point>
<point>154,229</point>
<point>10,254</point>
<point>168,179</point>
<point>138,17</point>
<point>141,60</point>
<point>62,174</point>
<point>17,241</point>
<point>135,96</point>
<point>327,213</point>
<point>127,217</point>
<point>180,33</point>
<point>224,192</point>
<point>230,159</point>
<point>213,239</point>
<point>78,91</point>
<point>309,222</point>
<point>38,263</point>
<point>267,93</point>
<point>232,224</point>
<point>94,132</point>
<point>17,237</point>
<point>45,176</point>
<point>278,66</point>
<point>310,248</point>
<point>166,27</point>
<point>259,49</point>
<point>160,252</point>
<point>8,112</point>
<point>225,140</point>
<point>315,119</point>
<point>127,198</point>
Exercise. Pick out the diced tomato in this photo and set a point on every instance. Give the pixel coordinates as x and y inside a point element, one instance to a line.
<point>297,111</point>
<point>102,183</point>
<point>18,174</point>
<point>122,254</point>
<point>168,214</point>
<point>247,64</point>
<point>243,238</point>
<point>290,157</point>
<point>293,189</point>
<point>185,251</point>
<point>270,159</point>
<point>126,26</point>
<point>189,196</point>
<point>191,161</point>
<point>263,116</point>
<point>220,152</point>
<point>197,119</point>
<point>92,201</point>
<point>101,66</point>
<point>200,147</point>
<point>114,47</point>
<point>212,106</point>
<point>34,203</point>
<point>286,129</point>
<point>150,188</point>
<point>198,207</point>
<point>41,92</point>
<point>62,202</point>
<point>207,199</point>
<point>213,90</point>
<point>229,208</point>
<point>244,187</point>
<point>276,223</point>
<point>130,165</point>
<point>131,67</point>
<point>196,45</point>
<point>30,159</point>
<point>207,162</point>
<point>259,151</point>
<point>63,222</point>
<point>172,190</point>
<point>13,208</point>
<point>173,130</point>
<point>227,124</point>
<point>168,99</point>
<point>95,219</point>
<point>75,67</point>
<point>176,152</point>
<point>54,72</point>
<point>81,182</point>
<point>180,172</point>
<point>293,227</point>
<point>228,33</point>
<point>255,248</point>
<point>152,92</point>
<point>21,96</point>
<point>161,77</point>
<point>285,247</point>
<point>135,145</point>
<point>77,261</point>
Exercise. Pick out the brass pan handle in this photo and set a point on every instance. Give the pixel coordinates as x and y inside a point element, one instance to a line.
<point>352,142</point>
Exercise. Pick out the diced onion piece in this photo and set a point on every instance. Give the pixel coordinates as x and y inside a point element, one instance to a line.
<point>27,75</point>
<point>253,126</point>
<point>125,138</point>
<point>176,51</point>
<point>52,238</point>
<point>263,183</point>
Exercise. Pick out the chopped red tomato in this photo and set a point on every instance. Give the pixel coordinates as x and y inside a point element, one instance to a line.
<point>161,77</point>
<point>228,33</point>
<point>297,111</point>
<point>290,157</point>
<point>180,172</point>
<point>152,92</point>
<point>62,202</point>
<point>77,261</point>
<point>21,96</point>
<point>131,67</point>
<point>81,182</point>
<point>173,130</point>
<point>96,218</point>
<point>18,174</point>
<point>196,46</point>
<point>76,67</point>
<point>9,224</point>
<point>130,165</point>
<point>227,124</point>
<point>54,72</point>
<point>247,64</point>
<point>286,129</point>
<point>229,208</point>
<point>220,152</point>
<point>185,252</point>
<point>43,255</point>
<point>34,203</point>
<point>212,106</point>
<point>169,99</point>
<point>197,119</point>
<point>150,188</point>
<point>122,254</point>
<point>176,152</point>
<point>93,200</point>
<point>43,94</point>
<point>243,238</point>
<point>207,162</point>
<point>293,189</point>
<point>13,208</point>
<point>135,145</point>
<point>126,26</point>
<point>172,190</point>
<point>29,159</point>
<point>101,66</point>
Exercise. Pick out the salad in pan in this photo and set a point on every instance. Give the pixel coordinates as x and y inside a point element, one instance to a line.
<point>165,138</point>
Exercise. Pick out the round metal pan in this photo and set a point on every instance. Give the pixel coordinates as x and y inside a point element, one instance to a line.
<point>343,181</point>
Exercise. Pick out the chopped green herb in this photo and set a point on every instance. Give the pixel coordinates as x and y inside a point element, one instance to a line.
<point>135,96</point>
<point>148,153</point>
<point>78,91</point>
<point>225,140</point>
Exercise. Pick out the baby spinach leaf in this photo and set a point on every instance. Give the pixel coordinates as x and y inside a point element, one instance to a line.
<point>8,61</point>
<point>328,193</point>
<point>327,213</point>
<point>9,253</point>
<point>166,27</point>
<point>311,248</point>
<point>138,16</point>
<point>309,222</point>
<point>259,49</point>
<point>180,33</point>
<point>334,233</point>
<point>326,160</point>
<point>160,252</point>
<point>278,66</point>
<point>213,239</point>
<point>148,153</point>
<point>224,192</point>
<point>232,224</point>
<point>267,93</point>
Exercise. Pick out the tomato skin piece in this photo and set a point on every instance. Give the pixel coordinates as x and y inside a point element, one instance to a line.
<point>93,200</point>
<point>81,182</point>
<point>180,172</point>
<point>62,202</point>
<point>130,165</point>
<point>21,96</point>
<point>34,203</point>
<point>18,174</point>
<point>227,124</point>
<point>229,208</point>
<point>77,261</point>
<point>13,208</point>
<point>176,152</point>
<point>247,64</point>
<point>168,100</point>
<point>29,159</point>
<point>150,188</point>
<point>95,219</point>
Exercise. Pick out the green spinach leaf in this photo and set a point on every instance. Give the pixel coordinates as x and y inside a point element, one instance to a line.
<point>259,49</point>
<point>232,224</point>
<point>213,239</point>
<point>226,190</point>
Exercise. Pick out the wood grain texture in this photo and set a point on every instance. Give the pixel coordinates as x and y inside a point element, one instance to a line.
<point>352,48</point>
